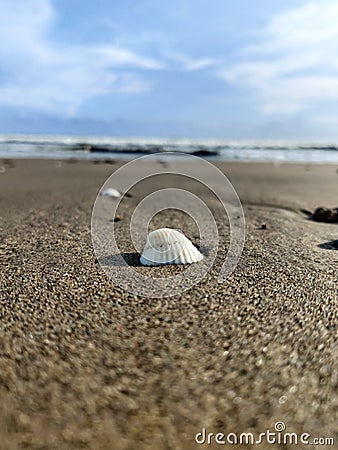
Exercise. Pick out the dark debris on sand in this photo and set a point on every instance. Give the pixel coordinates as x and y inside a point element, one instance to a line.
<point>328,215</point>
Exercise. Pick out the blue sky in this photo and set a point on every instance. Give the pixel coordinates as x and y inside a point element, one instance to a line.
<point>238,69</point>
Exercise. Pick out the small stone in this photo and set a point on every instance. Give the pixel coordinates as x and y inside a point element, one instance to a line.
<point>329,215</point>
<point>334,244</point>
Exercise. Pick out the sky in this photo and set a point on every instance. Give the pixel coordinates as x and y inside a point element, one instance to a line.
<point>234,69</point>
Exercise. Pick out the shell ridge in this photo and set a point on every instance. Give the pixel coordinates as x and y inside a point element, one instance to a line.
<point>169,246</point>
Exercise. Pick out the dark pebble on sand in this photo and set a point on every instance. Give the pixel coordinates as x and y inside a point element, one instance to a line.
<point>328,215</point>
<point>117,219</point>
<point>8,163</point>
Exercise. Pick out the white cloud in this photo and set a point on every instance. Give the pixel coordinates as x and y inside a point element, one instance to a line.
<point>198,64</point>
<point>41,72</point>
<point>59,77</point>
<point>188,63</point>
<point>293,65</point>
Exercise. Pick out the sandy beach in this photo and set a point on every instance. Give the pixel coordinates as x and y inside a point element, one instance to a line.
<point>86,365</point>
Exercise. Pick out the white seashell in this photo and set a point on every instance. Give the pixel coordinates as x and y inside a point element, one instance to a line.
<point>168,246</point>
<point>110,192</point>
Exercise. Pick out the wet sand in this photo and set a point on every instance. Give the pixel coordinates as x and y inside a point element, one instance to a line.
<point>85,364</point>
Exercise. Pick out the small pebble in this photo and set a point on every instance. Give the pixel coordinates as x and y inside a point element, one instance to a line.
<point>329,215</point>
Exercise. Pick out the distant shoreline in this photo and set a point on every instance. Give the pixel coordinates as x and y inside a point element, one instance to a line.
<point>82,147</point>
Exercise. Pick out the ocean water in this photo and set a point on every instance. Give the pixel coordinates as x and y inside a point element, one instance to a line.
<point>89,147</point>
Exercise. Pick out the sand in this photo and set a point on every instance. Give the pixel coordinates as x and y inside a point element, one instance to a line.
<point>86,365</point>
